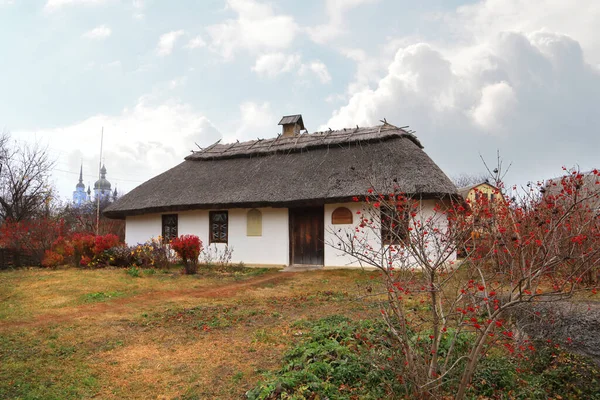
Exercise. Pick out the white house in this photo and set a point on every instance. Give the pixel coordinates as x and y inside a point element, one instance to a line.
<point>278,202</point>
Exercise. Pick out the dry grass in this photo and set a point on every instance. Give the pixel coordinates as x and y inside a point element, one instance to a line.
<point>104,334</point>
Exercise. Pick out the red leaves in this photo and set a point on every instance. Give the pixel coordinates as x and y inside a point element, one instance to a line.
<point>187,247</point>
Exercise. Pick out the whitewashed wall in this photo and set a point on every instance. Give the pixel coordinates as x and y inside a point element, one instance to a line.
<point>272,248</point>
<point>335,258</point>
<point>140,228</point>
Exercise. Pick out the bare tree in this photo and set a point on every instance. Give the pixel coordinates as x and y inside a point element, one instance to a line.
<point>464,180</point>
<point>24,180</point>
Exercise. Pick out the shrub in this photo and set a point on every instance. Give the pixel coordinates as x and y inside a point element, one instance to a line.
<point>103,243</point>
<point>188,248</point>
<point>333,362</point>
<point>52,259</point>
<point>152,254</point>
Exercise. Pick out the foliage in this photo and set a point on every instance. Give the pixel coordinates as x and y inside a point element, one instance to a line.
<point>152,254</point>
<point>32,237</point>
<point>188,248</point>
<point>333,362</point>
<point>542,244</point>
<point>52,259</point>
<point>344,359</point>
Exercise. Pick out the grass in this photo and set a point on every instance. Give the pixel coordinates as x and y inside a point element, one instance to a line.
<point>73,333</point>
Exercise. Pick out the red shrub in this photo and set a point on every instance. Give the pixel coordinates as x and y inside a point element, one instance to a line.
<point>103,243</point>
<point>52,259</point>
<point>188,248</point>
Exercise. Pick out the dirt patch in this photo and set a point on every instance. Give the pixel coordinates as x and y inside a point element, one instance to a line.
<point>117,307</point>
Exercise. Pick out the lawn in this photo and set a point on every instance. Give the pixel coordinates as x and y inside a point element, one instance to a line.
<point>74,333</point>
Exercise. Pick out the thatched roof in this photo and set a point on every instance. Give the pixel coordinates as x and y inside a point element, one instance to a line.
<point>318,168</point>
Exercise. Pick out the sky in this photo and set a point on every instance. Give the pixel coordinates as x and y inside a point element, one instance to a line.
<point>472,78</point>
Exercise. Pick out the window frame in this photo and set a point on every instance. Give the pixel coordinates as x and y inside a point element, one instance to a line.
<point>211,222</point>
<point>166,238</point>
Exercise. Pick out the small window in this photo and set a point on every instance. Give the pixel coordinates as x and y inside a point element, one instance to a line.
<point>254,223</point>
<point>394,226</point>
<point>341,216</point>
<point>169,227</point>
<point>219,226</point>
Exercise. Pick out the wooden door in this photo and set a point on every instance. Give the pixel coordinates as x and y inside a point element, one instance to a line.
<point>307,234</point>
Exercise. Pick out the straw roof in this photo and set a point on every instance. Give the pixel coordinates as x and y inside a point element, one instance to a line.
<point>307,169</point>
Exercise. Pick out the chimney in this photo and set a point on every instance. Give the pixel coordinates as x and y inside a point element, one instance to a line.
<point>292,125</point>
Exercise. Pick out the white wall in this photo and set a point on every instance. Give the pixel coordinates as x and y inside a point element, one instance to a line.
<point>337,258</point>
<point>333,256</point>
<point>272,248</point>
<point>140,228</point>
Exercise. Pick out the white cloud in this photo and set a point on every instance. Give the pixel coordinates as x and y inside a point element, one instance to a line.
<point>256,120</point>
<point>273,64</point>
<point>317,68</point>
<point>484,19</point>
<point>336,9</point>
<point>534,93</point>
<point>167,41</point>
<point>257,28</point>
<point>98,33</point>
<point>195,43</point>
<point>135,148</point>
<point>52,5</point>
<point>497,102</point>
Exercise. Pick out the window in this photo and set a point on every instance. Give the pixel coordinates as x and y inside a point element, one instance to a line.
<point>219,222</point>
<point>254,223</point>
<point>394,226</point>
<point>341,216</point>
<point>169,227</point>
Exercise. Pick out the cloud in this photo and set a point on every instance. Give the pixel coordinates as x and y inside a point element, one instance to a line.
<point>317,68</point>
<point>98,33</point>
<point>52,5</point>
<point>257,28</point>
<point>273,64</point>
<point>195,43</point>
<point>135,144</point>
<point>533,96</point>
<point>256,120</point>
<point>497,102</point>
<point>484,19</point>
<point>336,9</point>
<point>167,41</point>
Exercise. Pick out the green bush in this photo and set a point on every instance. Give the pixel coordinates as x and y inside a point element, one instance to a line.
<point>333,362</point>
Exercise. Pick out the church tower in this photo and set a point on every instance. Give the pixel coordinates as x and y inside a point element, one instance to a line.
<point>102,186</point>
<point>79,195</point>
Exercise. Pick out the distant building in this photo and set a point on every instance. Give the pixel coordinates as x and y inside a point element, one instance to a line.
<point>80,196</point>
<point>472,194</point>
<point>102,190</point>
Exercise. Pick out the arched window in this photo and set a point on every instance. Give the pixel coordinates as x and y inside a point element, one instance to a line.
<point>254,223</point>
<point>341,216</point>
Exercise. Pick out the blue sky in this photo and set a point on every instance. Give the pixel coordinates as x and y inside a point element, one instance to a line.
<point>518,76</point>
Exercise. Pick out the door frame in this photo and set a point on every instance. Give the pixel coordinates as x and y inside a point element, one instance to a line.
<point>291,231</point>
